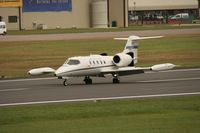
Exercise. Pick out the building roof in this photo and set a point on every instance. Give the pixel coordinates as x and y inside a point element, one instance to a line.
<point>162,4</point>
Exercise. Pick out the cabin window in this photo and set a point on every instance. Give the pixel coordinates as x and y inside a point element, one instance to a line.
<point>104,62</point>
<point>93,62</point>
<point>73,62</point>
<point>101,62</point>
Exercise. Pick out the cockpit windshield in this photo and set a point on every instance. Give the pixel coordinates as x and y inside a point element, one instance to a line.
<point>72,62</point>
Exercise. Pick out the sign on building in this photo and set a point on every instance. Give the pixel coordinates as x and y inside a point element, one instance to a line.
<point>10,3</point>
<point>46,5</point>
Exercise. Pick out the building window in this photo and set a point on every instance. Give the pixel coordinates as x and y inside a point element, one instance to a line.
<point>12,19</point>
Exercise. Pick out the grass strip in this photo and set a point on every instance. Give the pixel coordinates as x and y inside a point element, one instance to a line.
<point>174,114</point>
<point>89,30</point>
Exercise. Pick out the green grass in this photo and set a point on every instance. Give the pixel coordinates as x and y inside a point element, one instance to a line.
<point>163,115</point>
<point>16,58</point>
<point>182,50</point>
<point>86,30</point>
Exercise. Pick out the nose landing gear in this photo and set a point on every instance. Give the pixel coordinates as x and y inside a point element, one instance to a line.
<point>65,82</point>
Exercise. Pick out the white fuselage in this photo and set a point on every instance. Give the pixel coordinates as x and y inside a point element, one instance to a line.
<point>85,65</point>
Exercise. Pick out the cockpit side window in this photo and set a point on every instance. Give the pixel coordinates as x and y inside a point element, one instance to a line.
<point>72,62</point>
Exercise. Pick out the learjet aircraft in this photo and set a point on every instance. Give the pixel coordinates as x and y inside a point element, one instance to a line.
<point>121,64</point>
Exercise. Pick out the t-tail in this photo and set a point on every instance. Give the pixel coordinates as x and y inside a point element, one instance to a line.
<point>131,47</point>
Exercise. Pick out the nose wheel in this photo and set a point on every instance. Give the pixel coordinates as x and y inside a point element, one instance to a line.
<point>65,82</point>
<point>87,80</point>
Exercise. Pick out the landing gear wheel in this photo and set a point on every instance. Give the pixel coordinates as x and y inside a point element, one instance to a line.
<point>116,79</point>
<point>65,83</point>
<point>87,80</point>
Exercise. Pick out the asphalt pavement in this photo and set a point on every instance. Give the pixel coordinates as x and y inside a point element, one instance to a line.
<point>47,90</point>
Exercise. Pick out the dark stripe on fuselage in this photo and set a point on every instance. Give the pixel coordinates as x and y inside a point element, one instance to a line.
<point>82,69</point>
<point>132,47</point>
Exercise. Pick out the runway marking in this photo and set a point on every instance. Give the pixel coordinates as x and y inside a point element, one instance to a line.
<point>17,89</point>
<point>167,80</point>
<point>21,80</point>
<point>181,70</point>
<point>99,99</point>
<point>175,70</point>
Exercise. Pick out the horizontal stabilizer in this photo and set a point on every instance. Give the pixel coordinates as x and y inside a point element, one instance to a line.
<point>135,38</point>
<point>40,71</point>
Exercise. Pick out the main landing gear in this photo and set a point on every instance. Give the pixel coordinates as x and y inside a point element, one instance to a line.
<point>115,79</point>
<point>87,80</point>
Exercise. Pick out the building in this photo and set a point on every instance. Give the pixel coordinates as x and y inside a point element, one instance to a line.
<point>51,14</point>
<point>161,11</point>
<point>33,14</point>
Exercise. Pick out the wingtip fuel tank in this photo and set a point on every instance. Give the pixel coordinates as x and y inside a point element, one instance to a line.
<point>163,67</point>
<point>40,71</point>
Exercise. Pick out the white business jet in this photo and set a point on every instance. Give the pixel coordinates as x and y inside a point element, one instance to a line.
<point>118,65</point>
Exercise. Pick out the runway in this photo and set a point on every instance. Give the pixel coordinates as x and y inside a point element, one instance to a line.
<point>51,90</point>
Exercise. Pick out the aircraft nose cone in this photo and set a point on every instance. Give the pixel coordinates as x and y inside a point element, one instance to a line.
<point>60,71</point>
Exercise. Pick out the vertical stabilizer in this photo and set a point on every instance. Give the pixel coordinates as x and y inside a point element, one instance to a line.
<point>131,46</point>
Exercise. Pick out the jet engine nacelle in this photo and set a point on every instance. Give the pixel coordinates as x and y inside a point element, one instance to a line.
<point>122,59</point>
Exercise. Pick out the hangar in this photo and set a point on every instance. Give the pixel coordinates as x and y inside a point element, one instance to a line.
<point>159,11</point>
<point>51,14</point>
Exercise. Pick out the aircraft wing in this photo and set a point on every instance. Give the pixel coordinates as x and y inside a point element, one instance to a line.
<point>124,70</point>
<point>136,70</point>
